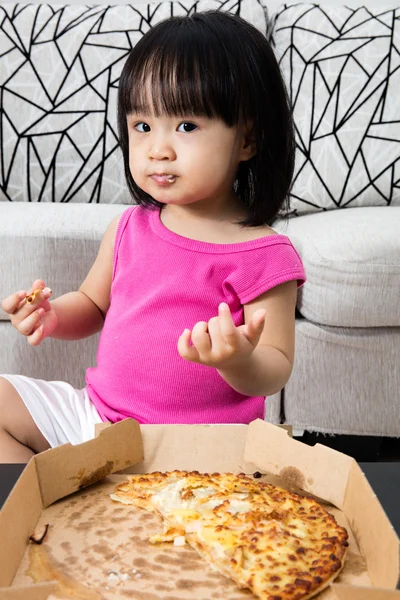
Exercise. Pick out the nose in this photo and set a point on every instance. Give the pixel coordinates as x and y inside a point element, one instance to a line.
<point>161,148</point>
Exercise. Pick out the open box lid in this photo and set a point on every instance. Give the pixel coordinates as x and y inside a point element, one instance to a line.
<point>56,473</point>
<point>338,479</point>
<point>318,470</point>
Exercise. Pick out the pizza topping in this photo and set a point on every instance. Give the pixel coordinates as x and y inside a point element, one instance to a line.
<point>179,540</point>
<point>203,492</point>
<point>277,543</point>
<point>193,526</point>
<point>169,535</point>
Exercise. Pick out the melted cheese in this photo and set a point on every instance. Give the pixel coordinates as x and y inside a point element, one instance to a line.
<point>239,506</point>
<point>169,498</point>
<point>274,542</point>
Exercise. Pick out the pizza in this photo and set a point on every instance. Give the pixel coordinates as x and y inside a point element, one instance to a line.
<point>280,545</point>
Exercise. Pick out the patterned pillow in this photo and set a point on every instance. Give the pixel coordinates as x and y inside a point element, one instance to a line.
<point>342,69</point>
<point>59,71</point>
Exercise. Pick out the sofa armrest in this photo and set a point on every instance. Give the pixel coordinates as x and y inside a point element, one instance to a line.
<point>55,242</point>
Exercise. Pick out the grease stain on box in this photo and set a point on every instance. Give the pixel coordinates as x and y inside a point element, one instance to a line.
<point>43,568</point>
<point>95,476</point>
<point>293,476</point>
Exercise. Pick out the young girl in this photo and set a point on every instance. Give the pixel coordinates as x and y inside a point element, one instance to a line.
<point>193,290</point>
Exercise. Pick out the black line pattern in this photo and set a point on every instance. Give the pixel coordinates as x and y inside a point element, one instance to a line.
<point>342,69</point>
<point>59,72</point>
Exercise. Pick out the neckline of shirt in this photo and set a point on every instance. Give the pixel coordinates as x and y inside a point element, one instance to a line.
<point>178,240</point>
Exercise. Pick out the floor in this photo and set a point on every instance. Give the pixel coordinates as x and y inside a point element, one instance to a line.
<point>362,448</point>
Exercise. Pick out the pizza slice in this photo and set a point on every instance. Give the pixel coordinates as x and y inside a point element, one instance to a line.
<point>280,545</point>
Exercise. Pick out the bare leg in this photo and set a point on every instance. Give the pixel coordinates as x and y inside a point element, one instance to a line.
<point>20,439</point>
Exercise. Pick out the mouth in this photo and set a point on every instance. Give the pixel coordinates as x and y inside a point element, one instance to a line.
<point>163,178</point>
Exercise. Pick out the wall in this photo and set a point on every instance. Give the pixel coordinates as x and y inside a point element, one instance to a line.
<point>272,5</point>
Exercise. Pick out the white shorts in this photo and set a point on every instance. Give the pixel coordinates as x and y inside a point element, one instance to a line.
<point>61,413</point>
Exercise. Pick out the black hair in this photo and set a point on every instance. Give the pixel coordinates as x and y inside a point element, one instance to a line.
<point>216,64</point>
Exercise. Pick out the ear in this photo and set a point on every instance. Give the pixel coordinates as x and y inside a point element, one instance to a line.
<point>248,146</point>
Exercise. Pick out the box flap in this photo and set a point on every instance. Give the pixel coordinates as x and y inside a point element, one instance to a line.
<point>206,448</point>
<point>18,518</point>
<point>349,592</point>
<point>163,447</point>
<point>66,469</point>
<point>317,469</point>
<point>373,531</point>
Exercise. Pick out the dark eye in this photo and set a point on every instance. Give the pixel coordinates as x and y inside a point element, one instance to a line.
<point>142,127</point>
<point>187,127</point>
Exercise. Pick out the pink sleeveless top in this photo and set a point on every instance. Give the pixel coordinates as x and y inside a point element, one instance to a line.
<point>163,283</point>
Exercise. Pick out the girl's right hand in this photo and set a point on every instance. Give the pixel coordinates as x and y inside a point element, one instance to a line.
<point>37,319</point>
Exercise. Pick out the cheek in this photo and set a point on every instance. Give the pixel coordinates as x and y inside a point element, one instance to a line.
<point>134,162</point>
<point>132,167</point>
<point>202,159</point>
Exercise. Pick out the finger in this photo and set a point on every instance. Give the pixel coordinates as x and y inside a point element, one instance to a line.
<point>16,301</point>
<point>255,326</point>
<point>11,303</point>
<point>185,349</point>
<point>216,340</point>
<point>39,299</point>
<point>36,337</point>
<point>200,338</point>
<point>227,326</point>
<point>26,308</point>
<point>38,295</point>
<point>38,284</point>
<point>30,323</point>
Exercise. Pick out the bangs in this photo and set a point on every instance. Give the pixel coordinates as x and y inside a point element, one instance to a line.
<point>214,64</point>
<point>164,76</point>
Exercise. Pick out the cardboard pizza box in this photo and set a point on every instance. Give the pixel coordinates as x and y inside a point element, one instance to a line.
<point>96,549</point>
<point>348,592</point>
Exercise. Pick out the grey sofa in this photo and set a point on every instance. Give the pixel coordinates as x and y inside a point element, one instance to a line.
<point>346,376</point>
<point>58,193</point>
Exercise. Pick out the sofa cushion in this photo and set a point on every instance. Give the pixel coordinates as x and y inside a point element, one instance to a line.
<point>342,69</point>
<point>345,380</point>
<point>54,242</point>
<point>59,71</point>
<point>352,262</point>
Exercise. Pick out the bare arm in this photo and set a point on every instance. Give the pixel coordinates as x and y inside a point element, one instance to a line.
<point>77,317</point>
<point>265,373</point>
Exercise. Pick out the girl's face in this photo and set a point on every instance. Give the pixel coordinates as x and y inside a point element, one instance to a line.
<point>182,160</point>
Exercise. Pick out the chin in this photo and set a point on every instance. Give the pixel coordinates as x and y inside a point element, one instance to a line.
<point>164,199</point>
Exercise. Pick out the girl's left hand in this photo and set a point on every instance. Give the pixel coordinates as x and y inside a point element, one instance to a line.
<point>219,343</point>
